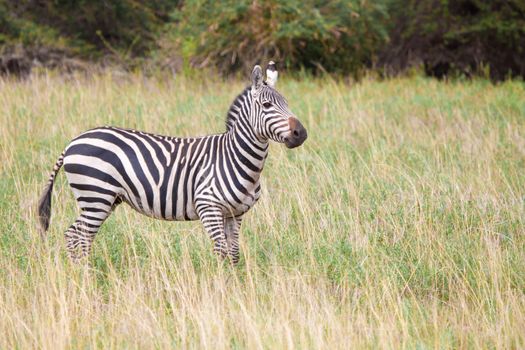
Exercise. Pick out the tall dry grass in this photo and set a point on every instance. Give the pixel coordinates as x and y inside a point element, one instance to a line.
<point>399,224</point>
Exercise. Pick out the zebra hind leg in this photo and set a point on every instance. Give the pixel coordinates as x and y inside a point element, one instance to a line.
<point>80,235</point>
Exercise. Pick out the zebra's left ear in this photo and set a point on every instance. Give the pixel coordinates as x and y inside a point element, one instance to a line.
<point>257,79</point>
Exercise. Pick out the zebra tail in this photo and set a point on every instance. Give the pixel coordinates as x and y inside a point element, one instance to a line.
<point>44,204</point>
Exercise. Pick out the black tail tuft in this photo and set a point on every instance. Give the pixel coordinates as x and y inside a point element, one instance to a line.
<point>44,209</point>
<point>44,204</point>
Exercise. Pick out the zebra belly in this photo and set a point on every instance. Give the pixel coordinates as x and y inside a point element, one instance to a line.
<point>178,206</point>
<point>189,215</point>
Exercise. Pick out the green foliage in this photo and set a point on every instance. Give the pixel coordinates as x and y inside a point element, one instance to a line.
<point>14,29</point>
<point>449,38</point>
<point>464,36</point>
<point>125,28</point>
<point>338,36</point>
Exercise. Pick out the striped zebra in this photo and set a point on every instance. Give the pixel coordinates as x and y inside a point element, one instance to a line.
<point>214,178</point>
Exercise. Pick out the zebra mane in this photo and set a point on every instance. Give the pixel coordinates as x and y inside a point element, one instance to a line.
<point>235,109</point>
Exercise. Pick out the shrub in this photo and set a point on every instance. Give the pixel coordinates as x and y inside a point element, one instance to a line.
<point>125,28</point>
<point>337,36</point>
<point>458,37</point>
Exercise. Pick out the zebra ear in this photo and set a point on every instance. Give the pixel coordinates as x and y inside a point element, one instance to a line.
<point>257,79</point>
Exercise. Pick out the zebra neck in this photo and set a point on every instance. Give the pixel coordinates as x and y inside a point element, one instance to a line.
<point>250,152</point>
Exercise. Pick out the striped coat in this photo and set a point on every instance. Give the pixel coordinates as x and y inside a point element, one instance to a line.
<point>213,178</point>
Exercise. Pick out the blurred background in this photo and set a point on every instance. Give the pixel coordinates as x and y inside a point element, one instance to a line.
<point>439,37</point>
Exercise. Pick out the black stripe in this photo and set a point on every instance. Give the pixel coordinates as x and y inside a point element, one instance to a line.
<point>89,217</point>
<point>178,170</point>
<point>88,225</point>
<point>94,173</point>
<point>164,187</point>
<point>197,146</point>
<point>92,188</point>
<point>94,210</point>
<point>222,174</point>
<point>208,161</point>
<point>94,200</point>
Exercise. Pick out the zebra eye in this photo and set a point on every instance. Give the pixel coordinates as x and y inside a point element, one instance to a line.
<point>267,104</point>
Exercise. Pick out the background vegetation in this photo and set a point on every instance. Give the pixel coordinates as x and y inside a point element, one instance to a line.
<point>460,37</point>
<point>398,224</point>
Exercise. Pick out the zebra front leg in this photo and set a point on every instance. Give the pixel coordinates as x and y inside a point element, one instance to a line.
<point>231,228</point>
<point>213,221</point>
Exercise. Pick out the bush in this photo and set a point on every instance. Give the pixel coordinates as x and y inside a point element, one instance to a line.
<point>337,36</point>
<point>124,28</point>
<point>447,38</point>
<point>458,37</point>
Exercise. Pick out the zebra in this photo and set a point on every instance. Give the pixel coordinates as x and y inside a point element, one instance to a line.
<point>214,178</point>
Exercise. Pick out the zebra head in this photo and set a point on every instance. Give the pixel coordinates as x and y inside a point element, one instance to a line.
<point>270,116</point>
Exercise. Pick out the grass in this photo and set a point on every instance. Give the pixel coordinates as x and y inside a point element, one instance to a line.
<point>399,223</point>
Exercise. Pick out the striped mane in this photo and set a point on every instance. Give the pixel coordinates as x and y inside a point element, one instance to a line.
<point>235,109</point>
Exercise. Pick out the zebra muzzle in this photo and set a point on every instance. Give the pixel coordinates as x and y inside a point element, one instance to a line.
<point>297,135</point>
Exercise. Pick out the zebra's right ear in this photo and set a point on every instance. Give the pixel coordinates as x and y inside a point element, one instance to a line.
<point>257,79</point>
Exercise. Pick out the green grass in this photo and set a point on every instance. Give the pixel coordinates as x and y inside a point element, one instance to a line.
<point>398,224</point>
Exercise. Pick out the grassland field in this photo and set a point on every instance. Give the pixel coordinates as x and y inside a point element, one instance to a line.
<point>400,223</point>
